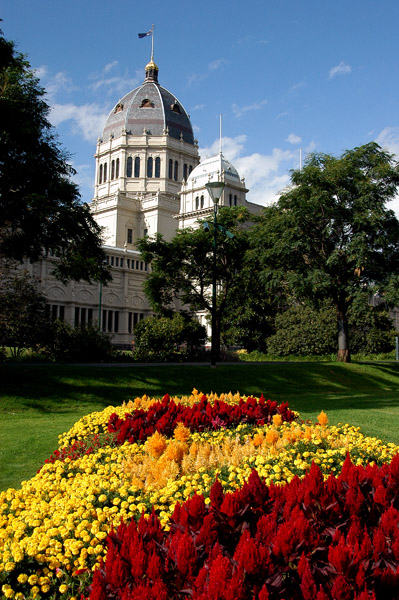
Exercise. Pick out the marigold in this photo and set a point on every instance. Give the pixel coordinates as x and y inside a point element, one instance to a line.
<point>277,420</point>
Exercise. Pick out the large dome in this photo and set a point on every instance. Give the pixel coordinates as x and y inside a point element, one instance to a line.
<point>211,169</point>
<point>149,108</point>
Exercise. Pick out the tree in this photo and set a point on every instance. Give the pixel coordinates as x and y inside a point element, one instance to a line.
<point>331,236</point>
<point>40,206</point>
<point>181,270</point>
<point>24,321</point>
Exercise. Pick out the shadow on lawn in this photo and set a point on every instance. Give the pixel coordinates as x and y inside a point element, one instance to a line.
<point>62,388</point>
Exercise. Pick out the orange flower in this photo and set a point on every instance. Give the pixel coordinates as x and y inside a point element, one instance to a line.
<point>272,436</point>
<point>277,420</point>
<point>156,445</point>
<point>258,439</point>
<point>322,418</point>
<point>181,433</point>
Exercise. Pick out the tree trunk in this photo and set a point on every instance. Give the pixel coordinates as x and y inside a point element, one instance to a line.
<point>343,338</point>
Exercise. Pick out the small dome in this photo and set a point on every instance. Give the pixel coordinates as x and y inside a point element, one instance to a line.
<point>211,169</point>
<point>151,109</point>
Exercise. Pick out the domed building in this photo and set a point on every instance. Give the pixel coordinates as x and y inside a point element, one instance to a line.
<point>147,149</point>
<point>148,180</point>
<point>195,201</point>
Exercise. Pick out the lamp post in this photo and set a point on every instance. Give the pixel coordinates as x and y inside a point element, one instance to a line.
<point>215,189</point>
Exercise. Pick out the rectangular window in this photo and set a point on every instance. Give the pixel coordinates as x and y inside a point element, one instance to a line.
<point>112,261</point>
<point>129,236</point>
<point>128,263</point>
<point>61,315</point>
<point>110,315</point>
<point>137,264</point>
<point>130,322</point>
<point>116,321</point>
<point>83,316</point>
<point>90,316</point>
<point>117,261</point>
<point>76,316</point>
<point>104,325</point>
<point>121,262</point>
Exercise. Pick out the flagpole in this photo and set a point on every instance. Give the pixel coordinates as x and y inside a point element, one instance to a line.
<point>220,133</point>
<point>152,43</point>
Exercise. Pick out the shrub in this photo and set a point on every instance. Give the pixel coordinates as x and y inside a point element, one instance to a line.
<point>79,344</point>
<point>302,330</point>
<point>161,338</point>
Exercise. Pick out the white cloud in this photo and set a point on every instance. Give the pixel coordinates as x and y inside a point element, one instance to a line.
<point>60,82</point>
<point>389,140</point>
<point>266,175</point>
<point>41,72</point>
<point>297,86</point>
<point>239,111</point>
<point>117,84</point>
<point>293,139</point>
<point>110,66</point>
<point>231,147</point>
<point>341,69</point>
<point>215,65</point>
<point>87,120</point>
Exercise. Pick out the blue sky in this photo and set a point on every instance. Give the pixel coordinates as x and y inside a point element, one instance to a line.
<point>285,75</point>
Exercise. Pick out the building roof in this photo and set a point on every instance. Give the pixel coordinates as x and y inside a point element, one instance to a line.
<point>211,169</point>
<point>149,108</point>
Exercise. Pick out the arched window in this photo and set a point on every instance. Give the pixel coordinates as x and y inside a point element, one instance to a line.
<point>190,168</point>
<point>235,200</point>
<point>230,199</point>
<point>170,172</point>
<point>149,166</point>
<point>202,201</point>
<point>100,174</point>
<point>105,173</point>
<point>117,168</point>
<point>197,203</point>
<point>185,172</point>
<point>157,167</point>
<point>113,169</point>
<point>137,166</point>
<point>176,173</point>
<point>129,164</point>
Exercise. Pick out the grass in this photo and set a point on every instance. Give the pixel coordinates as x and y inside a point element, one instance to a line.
<point>38,402</point>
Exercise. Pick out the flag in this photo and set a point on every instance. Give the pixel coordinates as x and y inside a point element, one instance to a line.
<point>141,35</point>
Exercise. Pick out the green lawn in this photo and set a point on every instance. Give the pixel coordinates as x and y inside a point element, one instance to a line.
<point>38,402</point>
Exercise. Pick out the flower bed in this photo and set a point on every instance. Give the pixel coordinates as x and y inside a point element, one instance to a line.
<point>53,531</point>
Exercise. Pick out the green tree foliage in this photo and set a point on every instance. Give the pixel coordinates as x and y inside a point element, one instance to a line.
<point>168,337</point>
<point>371,329</point>
<point>303,330</point>
<point>330,236</point>
<point>40,206</point>
<point>24,320</point>
<point>181,270</point>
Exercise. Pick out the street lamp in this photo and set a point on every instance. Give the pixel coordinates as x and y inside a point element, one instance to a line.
<point>215,189</point>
